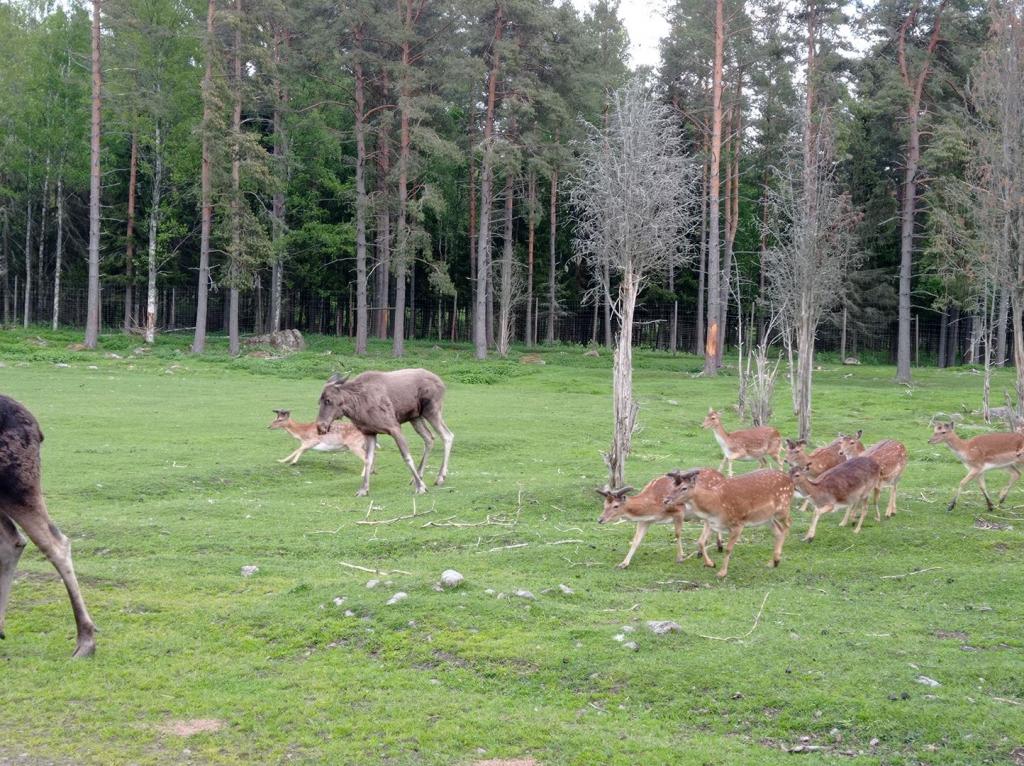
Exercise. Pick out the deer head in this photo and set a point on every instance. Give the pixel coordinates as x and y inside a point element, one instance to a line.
<point>942,433</point>
<point>283,416</point>
<point>848,444</point>
<point>614,503</point>
<point>332,402</point>
<point>683,485</point>
<point>713,420</point>
<point>795,452</point>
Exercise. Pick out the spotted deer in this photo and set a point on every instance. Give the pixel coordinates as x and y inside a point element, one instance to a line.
<point>891,457</point>
<point>342,436</point>
<point>846,486</point>
<point>731,504</point>
<point>648,507</point>
<point>981,454</point>
<point>819,461</point>
<point>757,444</point>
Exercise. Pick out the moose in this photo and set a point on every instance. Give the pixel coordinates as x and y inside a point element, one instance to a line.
<point>378,403</point>
<point>22,505</point>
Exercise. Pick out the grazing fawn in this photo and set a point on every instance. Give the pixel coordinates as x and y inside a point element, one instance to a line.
<point>982,454</point>
<point>845,486</point>
<point>891,457</point>
<point>730,504</point>
<point>342,436</point>
<point>746,444</point>
<point>818,461</point>
<point>648,507</point>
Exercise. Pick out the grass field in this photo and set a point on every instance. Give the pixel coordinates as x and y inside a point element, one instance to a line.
<point>161,470</point>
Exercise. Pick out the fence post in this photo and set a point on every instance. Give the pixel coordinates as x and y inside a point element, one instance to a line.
<point>917,340</point>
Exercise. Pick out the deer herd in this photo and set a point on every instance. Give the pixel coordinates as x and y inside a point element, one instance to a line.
<point>841,475</point>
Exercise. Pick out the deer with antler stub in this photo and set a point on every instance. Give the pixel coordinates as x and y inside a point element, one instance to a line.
<point>22,505</point>
<point>757,444</point>
<point>730,504</point>
<point>341,436</point>
<point>819,461</point>
<point>846,486</point>
<point>891,457</point>
<point>648,507</point>
<point>983,453</point>
<point>378,403</point>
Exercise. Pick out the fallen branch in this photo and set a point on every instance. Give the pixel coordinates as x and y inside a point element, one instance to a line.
<point>564,542</point>
<point>492,521</point>
<point>508,547</point>
<point>412,515</point>
<point>753,627</point>
<point>916,571</point>
<point>325,531</point>
<point>1008,702</point>
<point>374,571</point>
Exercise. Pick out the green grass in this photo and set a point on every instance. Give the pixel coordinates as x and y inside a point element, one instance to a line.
<point>161,470</point>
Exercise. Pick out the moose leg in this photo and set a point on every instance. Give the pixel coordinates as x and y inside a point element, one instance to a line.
<point>734,536</point>
<point>395,432</point>
<point>420,426</point>
<point>11,546</point>
<point>35,521</point>
<point>447,437</point>
<point>1014,475</point>
<point>818,513</point>
<point>638,536</point>
<point>371,449</point>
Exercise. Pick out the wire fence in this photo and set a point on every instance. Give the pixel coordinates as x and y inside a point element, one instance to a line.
<point>446,320</point>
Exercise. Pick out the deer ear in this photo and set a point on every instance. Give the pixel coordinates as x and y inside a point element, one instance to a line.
<point>790,444</point>
<point>860,432</point>
<point>337,378</point>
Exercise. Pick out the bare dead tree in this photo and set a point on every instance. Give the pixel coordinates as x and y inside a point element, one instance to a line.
<point>634,198</point>
<point>809,223</point>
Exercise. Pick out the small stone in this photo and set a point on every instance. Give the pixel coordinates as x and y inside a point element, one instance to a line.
<point>93,367</point>
<point>631,645</point>
<point>927,681</point>
<point>525,594</point>
<point>400,596</point>
<point>620,637</point>
<point>349,613</point>
<point>339,600</point>
<point>451,579</point>
<point>490,591</point>
<point>628,629</point>
<point>61,364</point>
<point>661,627</point>
<point>566,590</point>
<point>874,742</point>
<point>371,584</point>
<point>737,696</point>
<point>250,570</point>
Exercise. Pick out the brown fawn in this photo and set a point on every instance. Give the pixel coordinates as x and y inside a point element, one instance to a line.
<point>746,444</point>
<point>891,457</point>
<point>730,504</point>
<point>845,486</point>
<point>342,436</point>
<point>981,454</point>
<point>818,461</point>
<point>646,508</point>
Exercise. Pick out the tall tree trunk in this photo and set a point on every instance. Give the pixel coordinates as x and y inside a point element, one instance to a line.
<point>5,266</point>
<point>505,316</point>
<point>154,219</point>
<point>1001,319</point>
<point>38,310</point>
<point>943,330</point>
<point>129,240</point>
<point>732,209</point>
<point>624,407</point>
<point>714,274</point>
<point>953,353</point>
<point>278,202</point>
<point>199,339</point>
<point>402,250</point>
<point>59,258</point>
<point>703,255</point>
<point>472,220</point>
<point>92,321</point>
<point>531,222</point>
<point>480,309</point>
<point>234,277</point>
<point>915,88</point>
<point>805,369</point>
<point>361,198</point>
<point>382,238</point>
<point>28,265</point>
<point>552,265</point>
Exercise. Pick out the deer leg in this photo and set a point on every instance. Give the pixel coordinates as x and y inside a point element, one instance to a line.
<point>807,502</point>
<point>298,453</point>
<point>12,543</point>
<point>448,438</point>
<point>818,513</point>
<point>730,466</point>
<point>864,513</point>
<point>395,432</point>
<point>420,426</point>
<point>734,535</point>
<point>702,543</point>
<point>890,509</point>
<point>678,521</point>
<point>35,521</point>
<point>846,516</point>
<point>371,450</point>
<point>638,536</point>
<point>984,490</point>
<point>779,530</point>
<point>763,462</point>
<point>1014,475</point>
<point>289,456</point>
<point>721,466</point>
<point>971,473</point>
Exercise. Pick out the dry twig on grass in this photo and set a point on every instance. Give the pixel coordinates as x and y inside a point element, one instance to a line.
<point>916,571</point>
<point>753,627</point>
<point>508,547</point>
<point>415,514</point>
<point>383,572</point>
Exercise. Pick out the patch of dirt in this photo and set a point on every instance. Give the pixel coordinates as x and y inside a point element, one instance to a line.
<point>187,728</point>
<point>980,523</point>
<point>505,762</point>
<point>1017,756</point>
<point>959,635</point>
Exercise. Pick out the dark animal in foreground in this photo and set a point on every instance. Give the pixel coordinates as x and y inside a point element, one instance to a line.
<point>730,504</point>
<point>22,505</point>
<point>648,507</point>
<point>378,403</point>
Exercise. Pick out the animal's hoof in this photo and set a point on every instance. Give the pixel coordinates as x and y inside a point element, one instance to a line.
<point>709,564</point>
<point>774,563</point>
<point>362,492</point>
<point>84,649</point>
<point>2,635</point>
<point>283,460</point>
<point>680,559</point>
<point>808,539</point>
<point>439,482</point>
<point>421,490</point>
<point>950,507</point>
<point>721,573</point>
<point>621,565</point>
<point>720,547</point>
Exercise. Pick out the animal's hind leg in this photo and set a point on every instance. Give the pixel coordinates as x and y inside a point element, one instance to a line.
<point>890,509</point>
<point>1014,475</point>
<point>11,546</point>
<point>434,416</point>
<point>420,426</point>
<point>403,446</point>
<point>35,521</point>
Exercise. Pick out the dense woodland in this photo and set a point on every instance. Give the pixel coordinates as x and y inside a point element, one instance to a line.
<point>389,158</point>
